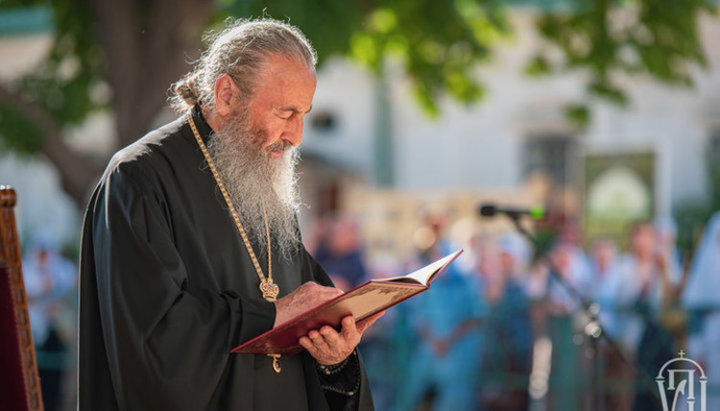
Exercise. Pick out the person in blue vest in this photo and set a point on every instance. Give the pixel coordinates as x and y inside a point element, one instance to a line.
<point>702,299</point>
<point>446,321</point>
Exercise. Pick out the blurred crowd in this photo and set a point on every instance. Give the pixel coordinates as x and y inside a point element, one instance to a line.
<point>506,328</point>
<point>51,287</point>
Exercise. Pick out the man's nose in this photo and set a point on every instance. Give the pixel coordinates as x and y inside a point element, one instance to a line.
<point>294,131</point>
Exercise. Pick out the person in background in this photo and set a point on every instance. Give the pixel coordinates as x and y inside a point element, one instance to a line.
<point>643,280</point>
<point>570,270</point>
<point>702,298</point>
<point>605,277</point>
<point>339,252</point>
<point>644,283</point>
<point>444,363</point>
<point>572,266</point>
<point>385,347</point>
<point>506,359</point>
<point>666,231</point>
<point>50,280</point>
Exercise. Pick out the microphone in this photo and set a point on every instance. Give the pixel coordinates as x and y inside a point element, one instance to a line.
<point>490,210</point>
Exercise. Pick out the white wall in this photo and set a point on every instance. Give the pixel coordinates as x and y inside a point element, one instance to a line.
<point>348,92</point>
<point>43,209</point>
<point>480,146</point>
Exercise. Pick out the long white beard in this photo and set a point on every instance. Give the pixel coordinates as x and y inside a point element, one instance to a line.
<point>256,182</point>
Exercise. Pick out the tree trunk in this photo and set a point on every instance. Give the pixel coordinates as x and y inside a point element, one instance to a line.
<point>147,47</point>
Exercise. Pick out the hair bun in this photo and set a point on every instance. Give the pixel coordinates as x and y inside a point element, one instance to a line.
<point>186,90</point>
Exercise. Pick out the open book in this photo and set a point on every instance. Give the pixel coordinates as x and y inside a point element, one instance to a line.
<point>361,302</point>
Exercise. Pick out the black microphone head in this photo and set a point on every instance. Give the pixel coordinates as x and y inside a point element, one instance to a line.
<point>487,210</point>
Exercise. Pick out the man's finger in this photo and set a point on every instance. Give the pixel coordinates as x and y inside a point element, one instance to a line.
<point>319,347</point>
<point>332,338</point>
<point>349,331</point>
<point>317,339</point>
<point>307,344</point>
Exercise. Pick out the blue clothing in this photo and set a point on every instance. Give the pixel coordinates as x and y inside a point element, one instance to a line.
<point>507,354</point>
<point>453,300</point>
<point>349,266</point>
<point>604,294</point>
<point>509,324</point>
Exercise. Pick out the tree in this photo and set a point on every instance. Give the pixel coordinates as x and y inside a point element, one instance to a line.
<point>134,48</point>
<point>654,38</point>
<point>123,55</point>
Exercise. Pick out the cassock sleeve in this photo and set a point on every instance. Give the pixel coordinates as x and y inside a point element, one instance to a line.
<point>167,347</point>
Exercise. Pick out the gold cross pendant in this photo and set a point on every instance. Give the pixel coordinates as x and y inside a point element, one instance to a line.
<point>276,362</point>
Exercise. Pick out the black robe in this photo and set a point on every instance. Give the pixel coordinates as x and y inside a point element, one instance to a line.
<point>167,289</point>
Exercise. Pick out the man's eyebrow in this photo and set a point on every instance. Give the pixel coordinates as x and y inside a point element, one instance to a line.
<point>295,109</point>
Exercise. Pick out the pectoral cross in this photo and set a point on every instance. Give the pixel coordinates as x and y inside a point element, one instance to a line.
<point>276,362</point>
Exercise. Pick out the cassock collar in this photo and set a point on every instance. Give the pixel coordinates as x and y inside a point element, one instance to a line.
<point>202,126</point>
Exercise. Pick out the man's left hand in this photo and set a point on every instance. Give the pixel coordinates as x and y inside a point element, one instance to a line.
<point>330,347</point>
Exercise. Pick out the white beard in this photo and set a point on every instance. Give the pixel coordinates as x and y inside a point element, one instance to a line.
<point>256,182</point>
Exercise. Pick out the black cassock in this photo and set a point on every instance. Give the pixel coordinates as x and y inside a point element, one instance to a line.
<point>167,289</point>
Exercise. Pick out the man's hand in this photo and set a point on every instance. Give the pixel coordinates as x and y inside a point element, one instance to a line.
<point>306,296</point>
<point>330,347</point>
<point>326,345</point>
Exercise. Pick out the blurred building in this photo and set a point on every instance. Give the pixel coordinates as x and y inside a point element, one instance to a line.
<point>633,162</point>
<point>366,133</point>
<point>520,127</point>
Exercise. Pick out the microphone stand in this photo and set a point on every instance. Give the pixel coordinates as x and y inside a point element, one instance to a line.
<point>593,329</point>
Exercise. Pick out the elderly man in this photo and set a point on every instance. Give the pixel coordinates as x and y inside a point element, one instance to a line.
<point>191,247</point>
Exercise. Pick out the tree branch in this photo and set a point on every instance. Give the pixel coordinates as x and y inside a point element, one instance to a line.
<point>77,173</point>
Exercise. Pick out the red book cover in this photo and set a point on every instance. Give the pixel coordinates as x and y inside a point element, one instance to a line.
<point>361,302</point>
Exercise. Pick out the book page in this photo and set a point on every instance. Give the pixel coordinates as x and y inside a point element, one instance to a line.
<point>424,275</point>
<point>376,297</point>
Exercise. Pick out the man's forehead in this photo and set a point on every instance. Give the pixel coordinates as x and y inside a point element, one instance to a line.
<point>282,66</point>
<point>287,83</point>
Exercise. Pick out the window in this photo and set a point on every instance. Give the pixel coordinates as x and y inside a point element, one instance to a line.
<point>323,121</point>
<point>555,155</point>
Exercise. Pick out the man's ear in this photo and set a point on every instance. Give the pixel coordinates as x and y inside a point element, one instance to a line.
<point>225,92</point>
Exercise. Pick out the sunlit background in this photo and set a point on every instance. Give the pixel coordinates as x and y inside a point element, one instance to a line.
<point>606,113</point>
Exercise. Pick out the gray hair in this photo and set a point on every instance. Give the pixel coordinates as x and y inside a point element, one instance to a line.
<point>239,50</point>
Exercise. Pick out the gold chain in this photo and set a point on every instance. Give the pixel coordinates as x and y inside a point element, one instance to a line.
<point>269,289</point>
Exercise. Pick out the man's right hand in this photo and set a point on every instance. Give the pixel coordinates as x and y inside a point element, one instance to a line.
<point>306,296</point>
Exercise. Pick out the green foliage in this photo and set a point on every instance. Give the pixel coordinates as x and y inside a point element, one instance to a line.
<point>73,67</point>
<point>19,134</point>
<point>438,43</point>
<point>538,67</point>
<point>606,38</point>
<point>63,83</point>
<point>578,115</point>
